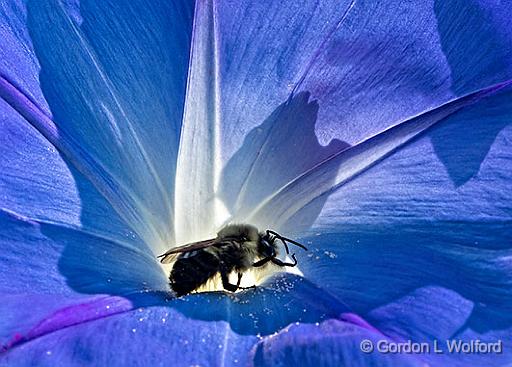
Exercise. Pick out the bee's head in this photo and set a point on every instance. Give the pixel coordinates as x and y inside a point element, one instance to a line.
<point>266,248</point>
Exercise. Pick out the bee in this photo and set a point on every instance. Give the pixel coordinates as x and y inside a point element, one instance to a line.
<point>237,247</point>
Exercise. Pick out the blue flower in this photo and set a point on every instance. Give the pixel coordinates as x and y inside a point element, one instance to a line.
<point>377,132</point>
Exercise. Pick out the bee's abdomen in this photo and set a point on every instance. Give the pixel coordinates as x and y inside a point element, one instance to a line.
<point>190,271</point>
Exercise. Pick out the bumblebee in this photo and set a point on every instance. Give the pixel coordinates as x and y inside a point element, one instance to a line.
<point>237,248</point>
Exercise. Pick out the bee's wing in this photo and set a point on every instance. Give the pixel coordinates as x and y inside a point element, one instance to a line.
<point>169,256</point>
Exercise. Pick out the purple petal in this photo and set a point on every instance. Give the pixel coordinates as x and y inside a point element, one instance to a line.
<point>331,343</point>
<point>338,343</point>
<point>24,324</point>
<point>431,314</point>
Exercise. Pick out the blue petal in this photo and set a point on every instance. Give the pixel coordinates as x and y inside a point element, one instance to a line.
<point>255,61</point>
<point>316,183</point>
<point>407,246</point>
<point>429,314</point>
<point>390,60</point>
<point>211,329</point>
<point>101,118</point>
<point>156,336</point>
<point>331,343</point>
<point>45,257</point>
<point>36,182</point>
<point>46,267</point>
<point>314,79</point>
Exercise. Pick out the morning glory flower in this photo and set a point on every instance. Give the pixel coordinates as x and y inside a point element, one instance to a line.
<point>375,132</point>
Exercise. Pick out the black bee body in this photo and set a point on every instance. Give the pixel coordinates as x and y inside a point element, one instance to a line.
<point>235,249</point>
<point>191,272</point>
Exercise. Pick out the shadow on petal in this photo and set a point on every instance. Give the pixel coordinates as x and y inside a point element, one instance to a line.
<point>98,70</point>
<point>97,75</point>
<point>463,154</point>
<point>283,300</point>
<point>93,265</point>
<point>286,299</point>
<point>478,53</point>
<point>475,39</point>
<point>282,148</point>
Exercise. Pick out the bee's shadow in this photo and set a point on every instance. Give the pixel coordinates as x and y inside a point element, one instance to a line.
<point>281,148</point>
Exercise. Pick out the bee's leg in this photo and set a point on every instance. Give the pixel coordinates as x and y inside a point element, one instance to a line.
<point>232,287</point>
<point>240,279</point>
<point>282,263</point>
<point>261,262</point>
<point>226,284</point>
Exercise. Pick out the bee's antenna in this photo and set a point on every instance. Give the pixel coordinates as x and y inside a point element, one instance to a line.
<point>284,240</point>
